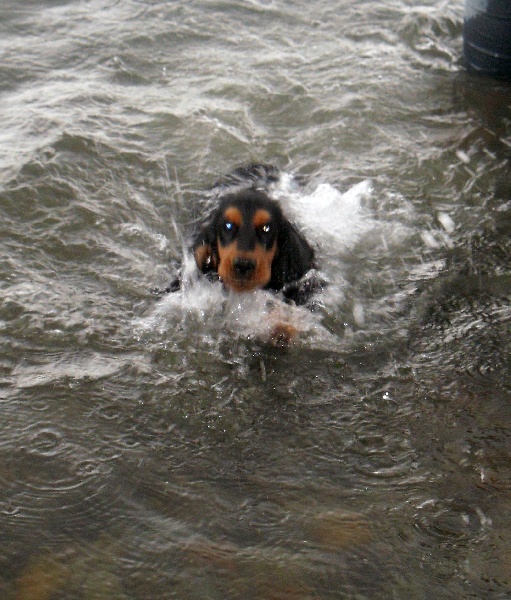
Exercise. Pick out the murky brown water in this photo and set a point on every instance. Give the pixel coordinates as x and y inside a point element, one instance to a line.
<point>157,448</point>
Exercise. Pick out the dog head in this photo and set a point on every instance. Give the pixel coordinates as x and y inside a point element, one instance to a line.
<point>249,243</point>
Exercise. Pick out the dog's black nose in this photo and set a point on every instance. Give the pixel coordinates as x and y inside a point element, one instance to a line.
<point>243,267</point>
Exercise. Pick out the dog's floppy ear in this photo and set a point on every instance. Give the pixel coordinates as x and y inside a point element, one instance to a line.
<point>293,259</point>
<point>204,245</point>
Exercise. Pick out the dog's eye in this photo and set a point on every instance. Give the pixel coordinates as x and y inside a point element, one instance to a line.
<point>229,231</point>
<point>265,229</point>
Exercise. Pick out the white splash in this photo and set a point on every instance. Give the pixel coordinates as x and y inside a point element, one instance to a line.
<point>206,309</point>
<point>331,218</point>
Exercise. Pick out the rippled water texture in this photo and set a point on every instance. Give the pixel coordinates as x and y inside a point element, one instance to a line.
<point>159,448</point>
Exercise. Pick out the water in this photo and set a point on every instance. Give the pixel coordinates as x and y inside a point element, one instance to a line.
<point>160,448</point>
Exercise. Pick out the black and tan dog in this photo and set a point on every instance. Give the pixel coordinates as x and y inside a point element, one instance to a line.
<point>247,243</point>
<point>250,245</point>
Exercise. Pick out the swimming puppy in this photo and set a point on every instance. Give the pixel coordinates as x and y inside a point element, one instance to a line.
<point>246,242</point>
<point>249,244</point>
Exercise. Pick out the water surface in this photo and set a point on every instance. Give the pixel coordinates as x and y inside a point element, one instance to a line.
<point>159,448</point>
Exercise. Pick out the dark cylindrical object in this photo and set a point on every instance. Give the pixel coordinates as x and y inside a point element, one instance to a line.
<point>487,37</point>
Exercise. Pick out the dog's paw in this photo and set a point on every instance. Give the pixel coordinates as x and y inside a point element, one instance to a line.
<point>281,335</point>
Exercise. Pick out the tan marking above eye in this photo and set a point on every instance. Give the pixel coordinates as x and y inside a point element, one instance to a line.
<point>261,218</point>
<point>233,215</point>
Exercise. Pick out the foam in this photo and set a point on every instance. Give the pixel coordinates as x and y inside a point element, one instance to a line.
<point>332,219</point>
<point>207,310</point>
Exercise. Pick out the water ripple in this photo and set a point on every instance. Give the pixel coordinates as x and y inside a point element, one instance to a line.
<point>45,442</point>
<point>451,521</point>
